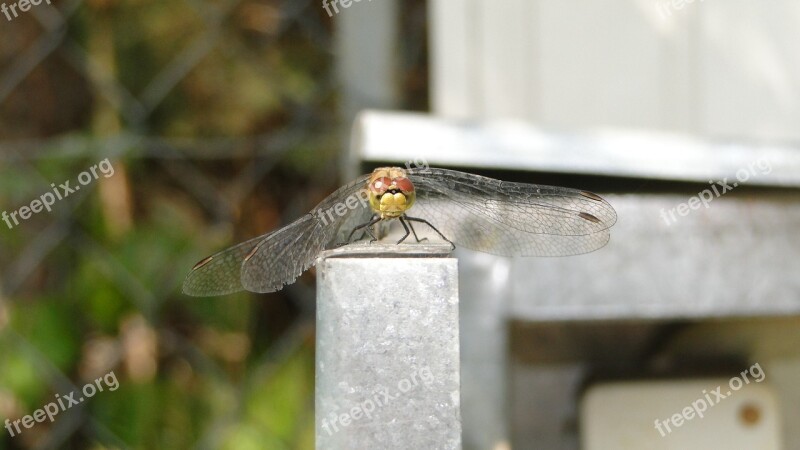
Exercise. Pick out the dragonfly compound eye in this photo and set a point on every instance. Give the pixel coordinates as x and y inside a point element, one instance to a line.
<point>404,184</point>
<point>380,185</point>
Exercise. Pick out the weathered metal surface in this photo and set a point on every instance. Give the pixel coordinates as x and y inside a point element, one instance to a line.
<point>388,370</point>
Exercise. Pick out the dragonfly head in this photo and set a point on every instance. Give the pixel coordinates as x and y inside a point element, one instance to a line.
<point>391,193</point>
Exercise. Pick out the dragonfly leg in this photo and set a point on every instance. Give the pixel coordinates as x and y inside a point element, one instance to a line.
<point>371,235</point>
<point>411,227</point>
<point>367,225</point>
<point>417,219</point>
<point>405,226</point>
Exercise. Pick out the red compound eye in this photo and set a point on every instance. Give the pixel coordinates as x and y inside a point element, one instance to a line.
<point>380,185</point>
<point>404,184</point>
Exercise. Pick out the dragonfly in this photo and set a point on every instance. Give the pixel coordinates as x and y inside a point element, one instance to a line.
<point>479,213</point>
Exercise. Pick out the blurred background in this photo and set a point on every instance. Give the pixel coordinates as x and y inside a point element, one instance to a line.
<point>224,120</point>
<point>221,121</point>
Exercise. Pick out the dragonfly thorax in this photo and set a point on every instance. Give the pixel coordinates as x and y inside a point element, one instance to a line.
<point>391,193</point>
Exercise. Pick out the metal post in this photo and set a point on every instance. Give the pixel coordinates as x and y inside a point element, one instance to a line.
<point>388,372</point>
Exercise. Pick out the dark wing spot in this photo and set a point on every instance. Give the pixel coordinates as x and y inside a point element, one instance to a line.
<point>589,217</point>
<point>202,263</point>
<point>591,195</point>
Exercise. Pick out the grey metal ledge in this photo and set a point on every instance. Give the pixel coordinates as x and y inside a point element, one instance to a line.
<point>520,145</point>
<point>738,257</point>
<point>388,249</point>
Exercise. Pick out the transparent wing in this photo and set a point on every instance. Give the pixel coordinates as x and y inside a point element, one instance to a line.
<point>511,219</point>
<point>267,262</point>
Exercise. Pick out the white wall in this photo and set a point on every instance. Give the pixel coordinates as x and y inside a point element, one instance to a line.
<point>716,68</point>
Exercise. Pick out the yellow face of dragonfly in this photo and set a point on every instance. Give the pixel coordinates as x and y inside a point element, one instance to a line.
<point>391,193</point>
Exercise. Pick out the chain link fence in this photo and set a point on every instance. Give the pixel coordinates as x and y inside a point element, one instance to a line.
<point>214,122</point>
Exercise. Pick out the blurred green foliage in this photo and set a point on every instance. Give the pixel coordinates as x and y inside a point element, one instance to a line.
<point>94,286</point>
